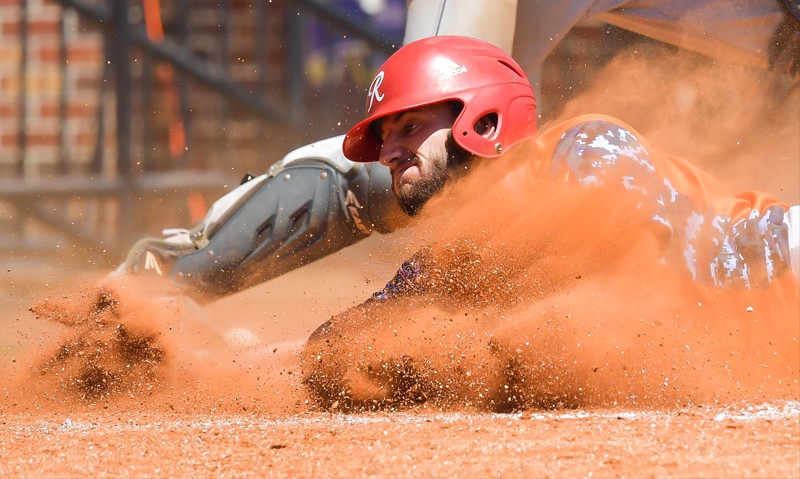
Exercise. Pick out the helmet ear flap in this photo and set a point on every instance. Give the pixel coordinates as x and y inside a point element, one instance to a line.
<point>508,123</point>
<point>479,140</point>
<point>479,128</point>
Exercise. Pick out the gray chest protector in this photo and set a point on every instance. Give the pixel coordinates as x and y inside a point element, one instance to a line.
<point>312,203</point>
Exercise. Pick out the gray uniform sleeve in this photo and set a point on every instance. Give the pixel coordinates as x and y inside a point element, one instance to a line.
<point>313,203</point>
<point>737,30</point>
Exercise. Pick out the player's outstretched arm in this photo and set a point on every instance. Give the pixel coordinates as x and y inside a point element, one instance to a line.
<point>311,204</point>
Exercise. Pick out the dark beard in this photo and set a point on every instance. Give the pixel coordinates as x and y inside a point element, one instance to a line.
<point>412,200</point>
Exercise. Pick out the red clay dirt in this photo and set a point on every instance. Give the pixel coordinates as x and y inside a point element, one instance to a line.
<point>194,435</point>
<point>637,373</point>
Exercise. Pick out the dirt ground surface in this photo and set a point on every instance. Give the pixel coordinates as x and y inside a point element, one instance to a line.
<point>758,442</point>
<point>205,436</point>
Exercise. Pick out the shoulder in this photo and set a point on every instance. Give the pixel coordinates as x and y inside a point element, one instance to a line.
<point>593,146</point>
<point>591,129</point>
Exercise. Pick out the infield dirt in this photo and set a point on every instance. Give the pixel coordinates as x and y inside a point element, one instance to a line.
<point>147,438</point>
<point>677,382</point>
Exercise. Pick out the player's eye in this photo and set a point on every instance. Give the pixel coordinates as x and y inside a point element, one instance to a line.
<point>410,127</point>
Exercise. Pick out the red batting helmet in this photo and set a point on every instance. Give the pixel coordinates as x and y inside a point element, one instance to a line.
<point>483,78</point>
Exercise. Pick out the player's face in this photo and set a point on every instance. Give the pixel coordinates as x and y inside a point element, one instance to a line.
<point>417,151</point>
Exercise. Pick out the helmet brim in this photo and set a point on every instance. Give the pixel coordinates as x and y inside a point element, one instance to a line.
<point>360,144</point>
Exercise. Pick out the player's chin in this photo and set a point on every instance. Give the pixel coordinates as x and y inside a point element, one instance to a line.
<point>410,186</point>
<point>411,198</point>
<point>406,176</point>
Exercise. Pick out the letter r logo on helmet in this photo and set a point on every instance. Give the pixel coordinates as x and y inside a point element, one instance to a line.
<point>373,93</point>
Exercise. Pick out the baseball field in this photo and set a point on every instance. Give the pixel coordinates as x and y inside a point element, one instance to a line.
<point>614,372</point>
<point>213,409</point>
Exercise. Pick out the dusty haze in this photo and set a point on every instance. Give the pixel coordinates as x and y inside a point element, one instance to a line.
<point>561,311</point>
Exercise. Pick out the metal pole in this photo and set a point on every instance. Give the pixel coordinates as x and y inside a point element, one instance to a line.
<point>22,103</point>
<point>121,49</point>
<point>294,67</point>
<point>120,57</point>
<point>63,162</point>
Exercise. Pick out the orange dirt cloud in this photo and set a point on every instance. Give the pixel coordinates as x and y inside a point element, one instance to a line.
<point>740,123</point>
<point>553,299</point>
<point>131,344</point>
<point>557,299</point>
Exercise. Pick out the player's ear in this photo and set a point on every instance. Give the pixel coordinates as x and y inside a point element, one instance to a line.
<point>486,126</point>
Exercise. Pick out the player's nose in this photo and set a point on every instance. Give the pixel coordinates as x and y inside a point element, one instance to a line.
<point>391,151</point>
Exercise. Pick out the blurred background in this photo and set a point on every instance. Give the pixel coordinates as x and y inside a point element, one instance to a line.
<point>119,118</point>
